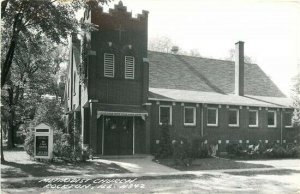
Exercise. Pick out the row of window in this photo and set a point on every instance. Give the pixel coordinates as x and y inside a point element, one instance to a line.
<point>109,66</point>
<point>189,117</point>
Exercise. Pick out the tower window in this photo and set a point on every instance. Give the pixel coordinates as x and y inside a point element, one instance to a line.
<point>129,67</point>
<point>109,65</point>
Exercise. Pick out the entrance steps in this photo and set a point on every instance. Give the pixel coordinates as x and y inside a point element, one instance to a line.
<point>148,156</point>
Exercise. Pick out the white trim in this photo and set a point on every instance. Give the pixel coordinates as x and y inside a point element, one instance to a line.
<point>127,114</point>
<point>237,124</point>
<point>288,126</point>
<point>275,118</point>
<point>133,136</point>
<point>110,72</point>
<point>217,116</point>
<point>129,65</point>
<point>170,114</point>
<point>256,125</point>
<point>194,116</point>
<point>212,103</point>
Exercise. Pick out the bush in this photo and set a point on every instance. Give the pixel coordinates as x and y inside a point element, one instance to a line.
<point>164,147</point>
<point>265,151</point>
<point>29,144</point>
<point>182,152</point>
<point>199,149</point>
<point>235,149</point>
<point>67,147</point>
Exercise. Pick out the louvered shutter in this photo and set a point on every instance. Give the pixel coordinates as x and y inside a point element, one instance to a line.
<point>109,65</point>
<point>129,67</point>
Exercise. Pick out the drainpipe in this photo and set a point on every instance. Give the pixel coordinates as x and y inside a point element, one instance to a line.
<point>202,120</point>
<point>281,126</point>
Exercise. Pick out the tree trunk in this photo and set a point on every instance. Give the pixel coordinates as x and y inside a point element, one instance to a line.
<point>10,53</point>
<point>11,129</point>
<point>2,155</point>
<point>11,117</point>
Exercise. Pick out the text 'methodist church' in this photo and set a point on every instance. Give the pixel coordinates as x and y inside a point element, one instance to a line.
<point>118,93</point>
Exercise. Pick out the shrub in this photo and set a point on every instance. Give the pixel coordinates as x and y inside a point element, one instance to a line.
<point>67,147</point>
<point>29,144</point>
<point>235,149</point>
<point>182,152</point>
<point>164,147</point>
<point>199,149</point>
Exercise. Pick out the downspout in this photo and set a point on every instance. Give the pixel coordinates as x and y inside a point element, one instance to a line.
<point>281,126</point>
<point>202,120</point>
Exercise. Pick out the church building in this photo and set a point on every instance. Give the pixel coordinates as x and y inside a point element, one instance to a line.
<point>118,93</point>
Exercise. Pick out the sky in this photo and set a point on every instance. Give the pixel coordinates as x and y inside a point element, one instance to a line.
<point>269,28</point>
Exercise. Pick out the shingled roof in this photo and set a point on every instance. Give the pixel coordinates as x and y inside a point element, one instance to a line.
<point>181,72</point>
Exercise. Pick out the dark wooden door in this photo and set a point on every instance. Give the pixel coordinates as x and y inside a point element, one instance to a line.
<point>118,135</point>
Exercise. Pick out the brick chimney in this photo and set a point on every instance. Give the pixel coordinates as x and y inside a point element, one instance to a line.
<point>239,69</point>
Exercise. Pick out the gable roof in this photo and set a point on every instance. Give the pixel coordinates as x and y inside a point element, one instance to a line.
<point>181,72</point>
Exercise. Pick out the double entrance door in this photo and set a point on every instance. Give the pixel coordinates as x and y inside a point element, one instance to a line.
<point>118,135</point>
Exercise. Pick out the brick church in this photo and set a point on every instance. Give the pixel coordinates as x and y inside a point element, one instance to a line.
<point>118,93</point>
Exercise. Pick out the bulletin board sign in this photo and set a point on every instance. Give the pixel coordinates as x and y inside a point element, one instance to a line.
<point>43,141</point>
<point>42,145</point>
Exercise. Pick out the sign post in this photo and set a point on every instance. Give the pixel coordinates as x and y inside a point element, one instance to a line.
<point>43,141</point>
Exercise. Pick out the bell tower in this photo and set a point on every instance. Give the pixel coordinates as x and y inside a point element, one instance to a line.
<point>117,72</point>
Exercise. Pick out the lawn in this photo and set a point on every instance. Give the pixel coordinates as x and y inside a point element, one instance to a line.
<point>211,164</point>
<point>19,165</point>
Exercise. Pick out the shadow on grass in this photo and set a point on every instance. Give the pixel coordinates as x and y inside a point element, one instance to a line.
<point>265,172</point>
<point>16,170</point>
<point>211,164</point>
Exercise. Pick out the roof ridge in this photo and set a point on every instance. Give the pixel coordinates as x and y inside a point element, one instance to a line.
<point>200,57</point>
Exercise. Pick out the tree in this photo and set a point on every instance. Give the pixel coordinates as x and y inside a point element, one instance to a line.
<point>27,24</point>
<point>165,44</point>
<point>161,44</point>
<point>32,76</point>
<point>50,111</point>
<point>247,59</point>
<point>53,18</point>
<point>296,100</point>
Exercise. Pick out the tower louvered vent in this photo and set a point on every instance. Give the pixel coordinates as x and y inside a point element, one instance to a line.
<point>109,65</point>
<point>129,67</point>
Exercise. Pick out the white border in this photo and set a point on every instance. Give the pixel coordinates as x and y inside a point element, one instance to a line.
<point>288,126</point>
<point>170,115</point>
<point>256,125</point>
<point>237,124</point>
<point>217,116</point>
<point>275,118</point>
<point>194,116</point>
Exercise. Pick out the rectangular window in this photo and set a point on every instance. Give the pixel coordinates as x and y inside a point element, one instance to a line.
<point>271,118</point>
<point>253,118</point>
<point>109,65</point>
<point>212,117</point>
<point>165,115</point>
<point>233,118</point>
<point>288,119</point>
<point>190,116</point>
<point>129,67</point>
